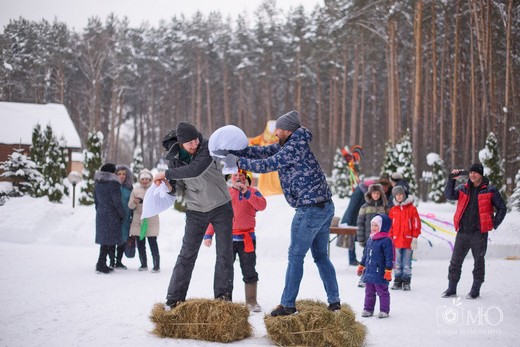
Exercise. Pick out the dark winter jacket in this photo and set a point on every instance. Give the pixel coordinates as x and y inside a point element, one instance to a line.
<point>488,200</point>
<point>126,190</point>
<point>199,178</point>
<point>367,212</point>
<point>357,199</point>
<point>302,179</point>
<point>378,256</point>
<point>406,223</point>
<point>109,209</point>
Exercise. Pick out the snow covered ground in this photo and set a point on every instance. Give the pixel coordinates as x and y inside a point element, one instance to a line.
<point>50,294</point>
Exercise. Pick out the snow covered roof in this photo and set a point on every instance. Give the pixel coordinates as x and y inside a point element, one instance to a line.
<point>18,121</point>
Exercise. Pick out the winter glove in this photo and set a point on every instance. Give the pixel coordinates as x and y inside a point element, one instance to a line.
<point>230,164</point>
<point>388,275</point>
<point>414,244</point>
<point>360,270</point>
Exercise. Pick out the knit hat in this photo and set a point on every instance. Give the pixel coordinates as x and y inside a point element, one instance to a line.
<point>398,190</point>
<point>478,168</point>
<point>289,121</point>
<point>108,167</point>
<point>186,132</point>
<point>396,176</point>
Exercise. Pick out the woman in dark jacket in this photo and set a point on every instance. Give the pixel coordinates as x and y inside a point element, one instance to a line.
<point>109,213</point>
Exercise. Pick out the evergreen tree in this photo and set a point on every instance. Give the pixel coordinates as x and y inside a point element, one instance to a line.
<point>92,163</point>
<point>389,161</point>
<point>22,172</point>
<point>137,163</point>
<point>340,185</point>
<point>438,182</point>
<point>38,151</point>
<point>54,168</point>
<point>404,161</point>
<point>493,164</point>
<point>514,200</point>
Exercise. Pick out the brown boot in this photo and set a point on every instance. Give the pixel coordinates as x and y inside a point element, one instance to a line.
<point>251,303</point>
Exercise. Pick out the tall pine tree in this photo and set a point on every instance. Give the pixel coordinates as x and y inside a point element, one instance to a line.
<point>92,163</point>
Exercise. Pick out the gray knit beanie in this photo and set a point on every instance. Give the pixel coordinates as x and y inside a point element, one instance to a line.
<point>289,121</point>
<point>186,132</point>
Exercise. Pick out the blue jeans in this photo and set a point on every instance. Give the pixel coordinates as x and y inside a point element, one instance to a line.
<point>310,229</point>
<point>403,263</point>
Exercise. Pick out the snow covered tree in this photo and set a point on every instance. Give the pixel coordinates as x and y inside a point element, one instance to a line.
<point>53,167</point>
<point>389,161</point>
<point>22,172</point>
<point>514,200</point>
<point>341,185</point>
<point>436,193</point>
<point>137,163</point>
<point>92,162</point>
<point>493,164</point>
<point>404,156</point>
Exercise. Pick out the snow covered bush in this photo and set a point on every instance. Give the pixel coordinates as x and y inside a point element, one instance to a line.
<point>514,200</point>
<point>22,172</point>
<point>436,193</point>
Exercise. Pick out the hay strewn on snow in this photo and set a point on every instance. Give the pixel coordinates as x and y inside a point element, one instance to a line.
<point>203,319</point>
<point>316,326</point>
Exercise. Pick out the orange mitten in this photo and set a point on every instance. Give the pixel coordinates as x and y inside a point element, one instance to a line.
<point>360,270</point>
<point>388,275</point>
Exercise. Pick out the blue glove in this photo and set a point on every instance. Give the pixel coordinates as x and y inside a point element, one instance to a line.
<point>230,164</point>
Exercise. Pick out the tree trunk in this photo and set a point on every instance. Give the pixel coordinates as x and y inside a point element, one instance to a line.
<point>454,93</point>
<point>418,79</point>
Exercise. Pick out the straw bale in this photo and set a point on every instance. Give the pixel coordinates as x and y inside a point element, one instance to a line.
<point>203,319</point>
<point>316,326</point>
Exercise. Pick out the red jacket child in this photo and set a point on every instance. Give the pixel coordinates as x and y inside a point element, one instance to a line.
<point>406,224</point>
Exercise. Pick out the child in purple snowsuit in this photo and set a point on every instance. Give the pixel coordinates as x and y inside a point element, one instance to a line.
<point>376,266</point>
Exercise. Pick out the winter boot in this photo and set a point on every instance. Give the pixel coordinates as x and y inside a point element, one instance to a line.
<point>451,291</point>
<point>475,290</point>
<point>251,303</point>
<point>398,283</point>
<point>156,263</point>
<point>112,255</point>
<point>406,284</point>
<point>119,256</point>
<point>101,266</point>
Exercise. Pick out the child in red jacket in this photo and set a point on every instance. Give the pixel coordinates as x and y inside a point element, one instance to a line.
<point>406,228</point>
<point>246,202</point>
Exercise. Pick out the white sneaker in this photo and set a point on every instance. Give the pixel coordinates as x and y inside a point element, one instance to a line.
<point>367,313</point>
<point>254,308</point>
<point>383,315</point>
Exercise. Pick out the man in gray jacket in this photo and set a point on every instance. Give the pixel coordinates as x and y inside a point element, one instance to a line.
<point>200,179</point>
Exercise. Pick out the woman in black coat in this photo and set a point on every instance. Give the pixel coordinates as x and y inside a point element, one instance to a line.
<point>109,213</point>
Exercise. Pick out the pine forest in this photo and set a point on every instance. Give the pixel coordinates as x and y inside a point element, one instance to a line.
<point>359,72</point>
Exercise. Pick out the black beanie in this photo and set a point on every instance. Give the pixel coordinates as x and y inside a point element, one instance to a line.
<point>478,168</point>
<point>186,132</point>
<point>108,167</point>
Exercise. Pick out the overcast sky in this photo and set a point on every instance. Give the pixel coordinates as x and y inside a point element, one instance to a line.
<point>76,12</point>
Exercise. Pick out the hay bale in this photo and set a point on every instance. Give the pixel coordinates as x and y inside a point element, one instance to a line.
<point>314,325</point>
<point>203,319</point>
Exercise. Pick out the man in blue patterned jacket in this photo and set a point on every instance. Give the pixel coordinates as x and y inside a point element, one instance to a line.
<point>305,188</point>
